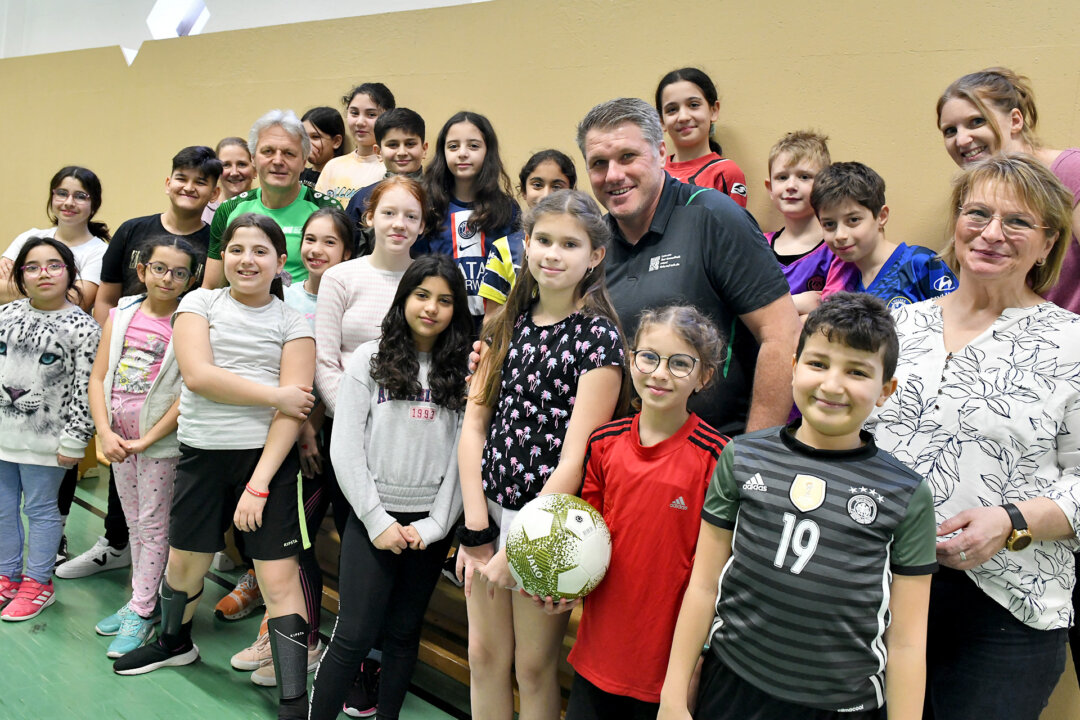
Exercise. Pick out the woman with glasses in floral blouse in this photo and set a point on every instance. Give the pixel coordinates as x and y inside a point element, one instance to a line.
<point>988,410</point>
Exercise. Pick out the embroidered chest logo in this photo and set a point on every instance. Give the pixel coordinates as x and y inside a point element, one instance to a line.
<point>807,492</point>
<point>464,231</point>
<point>665,261</point>
<point>679,504</point>
<point>863,505</point>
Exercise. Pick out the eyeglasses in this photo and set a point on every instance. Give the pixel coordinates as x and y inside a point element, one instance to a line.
<point>52,269</point>
<point>161,270</point>
<point>1014,227</point>
<point>679,365</point>
<point>78,196</point>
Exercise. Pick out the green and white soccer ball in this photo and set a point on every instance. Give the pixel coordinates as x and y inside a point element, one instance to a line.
<point>558,545</point>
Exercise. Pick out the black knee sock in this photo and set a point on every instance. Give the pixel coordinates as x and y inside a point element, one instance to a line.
<point>288,642</point>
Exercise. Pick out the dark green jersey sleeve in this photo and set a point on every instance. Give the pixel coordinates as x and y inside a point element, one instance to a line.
<point>220,222</point>
<point>722,498</point>
<point>914,546</point>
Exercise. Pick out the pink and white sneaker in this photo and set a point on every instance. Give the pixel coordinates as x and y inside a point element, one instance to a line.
<point>30,600</point>
<point>8,589</point>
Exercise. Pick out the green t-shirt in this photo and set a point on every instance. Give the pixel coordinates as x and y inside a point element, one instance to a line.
<point>290,218</point>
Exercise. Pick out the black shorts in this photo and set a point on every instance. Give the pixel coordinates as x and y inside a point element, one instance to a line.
<point>588,702</point>
<point>209,483</point>
<point>723,695</point>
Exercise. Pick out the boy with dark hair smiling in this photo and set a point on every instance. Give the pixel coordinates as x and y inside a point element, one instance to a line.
<point>822,608</point>
<point>399,141</point>
<point>191,185</point>
<point>849,201</point>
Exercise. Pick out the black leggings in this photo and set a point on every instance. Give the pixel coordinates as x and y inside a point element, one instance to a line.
<point>382,594</point>
<point>116,529</point>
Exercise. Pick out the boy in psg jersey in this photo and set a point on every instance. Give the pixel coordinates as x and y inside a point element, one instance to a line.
<point>823,546</point>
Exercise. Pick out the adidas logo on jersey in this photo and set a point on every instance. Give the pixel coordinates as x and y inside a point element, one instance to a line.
<point>755,484</point>
<point>679,504</point>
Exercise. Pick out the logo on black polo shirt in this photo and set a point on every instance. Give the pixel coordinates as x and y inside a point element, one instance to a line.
<point>665,261</point>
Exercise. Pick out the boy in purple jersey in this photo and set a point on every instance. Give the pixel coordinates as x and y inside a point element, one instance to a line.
<point>799,246</point>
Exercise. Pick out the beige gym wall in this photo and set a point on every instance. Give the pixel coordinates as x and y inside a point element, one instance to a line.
<point>867,74</point>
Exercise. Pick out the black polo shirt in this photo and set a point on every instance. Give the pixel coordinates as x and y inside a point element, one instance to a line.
<point>710,254</point>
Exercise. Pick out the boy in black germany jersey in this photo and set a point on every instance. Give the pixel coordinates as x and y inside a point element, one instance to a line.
<point>822,546</point>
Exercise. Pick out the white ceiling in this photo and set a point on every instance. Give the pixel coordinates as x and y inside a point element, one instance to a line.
<point>34,27</point>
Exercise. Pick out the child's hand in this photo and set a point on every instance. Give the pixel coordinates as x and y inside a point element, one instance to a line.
<point>393,539</point>
<point>135,447</point>
<point>548,604</point>
<point>112,446</point>
<point>310,459</point>
<point>805,302</point>
<point>66,462</point>
<point>474,359</point>
<point>471,561</point>
<point>497,573</point>
<point>248,515</point>
<point>415,542</point>
<point>6,264</point>
<point>673,712</point>
<point>294,400</point>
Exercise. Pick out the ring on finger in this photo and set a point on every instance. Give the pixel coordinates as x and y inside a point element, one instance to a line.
<point>963,556</point>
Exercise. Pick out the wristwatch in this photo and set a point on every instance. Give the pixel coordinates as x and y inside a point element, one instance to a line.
<point>1020,537</point>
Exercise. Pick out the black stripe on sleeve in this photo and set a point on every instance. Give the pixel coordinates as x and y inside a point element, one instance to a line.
<point>708,447</point>
<point>915,569</point>
<point>722,523</point>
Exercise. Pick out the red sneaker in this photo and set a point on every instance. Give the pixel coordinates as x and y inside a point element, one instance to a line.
<point>32,598</point>
<point>8,589</point>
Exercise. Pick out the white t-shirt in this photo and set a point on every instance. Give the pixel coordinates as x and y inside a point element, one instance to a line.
<point>87,256</point>
<point>245,341</point>
<point>344,175</point>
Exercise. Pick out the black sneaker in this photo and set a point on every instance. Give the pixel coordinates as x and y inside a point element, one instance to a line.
<point>62,552</point>
<point>363,699</point>
<point>153,656</point>
<point>449,570</point>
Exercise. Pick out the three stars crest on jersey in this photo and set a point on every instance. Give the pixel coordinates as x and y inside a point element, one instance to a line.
<point>807,492</point>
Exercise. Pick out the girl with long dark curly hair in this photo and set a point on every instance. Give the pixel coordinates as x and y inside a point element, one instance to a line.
<point>400,405</point>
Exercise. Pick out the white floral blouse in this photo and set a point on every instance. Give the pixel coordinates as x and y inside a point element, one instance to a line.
<point>996,422</point>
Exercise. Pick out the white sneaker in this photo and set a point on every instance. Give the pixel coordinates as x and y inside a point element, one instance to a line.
<point>97,559</point>
<point>222,562</point>
<point>264,675</point>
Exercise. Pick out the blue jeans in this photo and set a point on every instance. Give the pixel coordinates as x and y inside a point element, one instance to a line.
<point>36,486</point>
<point>981,662</point>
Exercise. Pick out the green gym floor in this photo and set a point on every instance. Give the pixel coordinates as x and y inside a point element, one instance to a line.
<point>54,666</point>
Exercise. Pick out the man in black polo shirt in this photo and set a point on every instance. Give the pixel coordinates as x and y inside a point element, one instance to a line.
<point>677,243</point>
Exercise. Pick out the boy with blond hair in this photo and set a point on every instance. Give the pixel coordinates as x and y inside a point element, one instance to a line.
<point>799,246</point>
